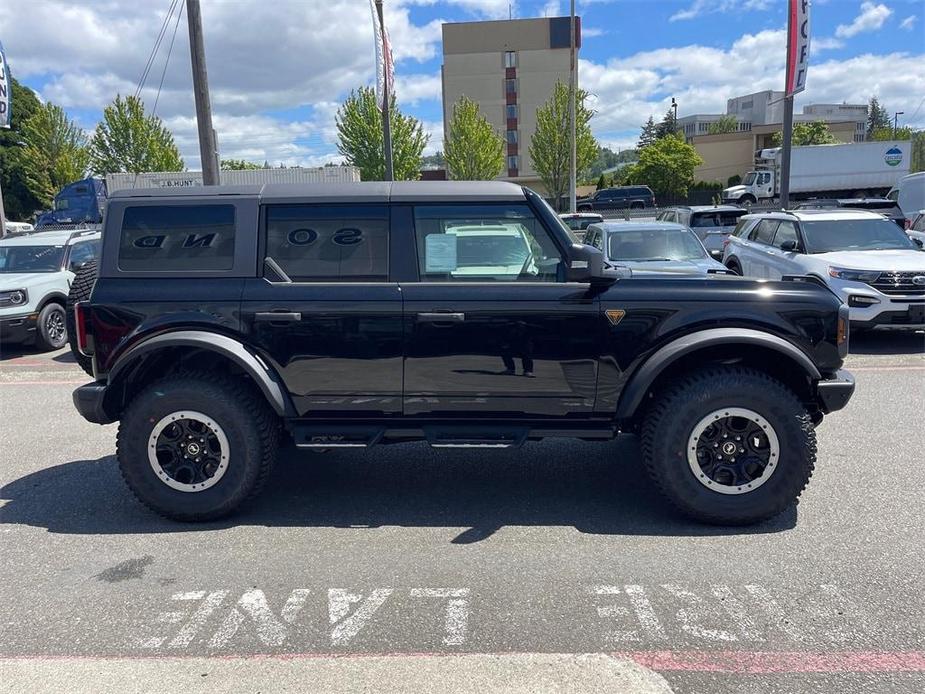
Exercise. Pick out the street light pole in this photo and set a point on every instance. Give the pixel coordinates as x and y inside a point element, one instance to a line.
<point>896,116</point>
<point>573,149</point>
<point>208,151</point>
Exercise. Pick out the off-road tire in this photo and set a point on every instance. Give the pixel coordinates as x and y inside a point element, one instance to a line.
<point>44,340</point>
<point>80,290</point>
<point>251,427</point>
<point>675,412</point>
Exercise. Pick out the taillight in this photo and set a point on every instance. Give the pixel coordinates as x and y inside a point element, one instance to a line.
<point>81,324</point>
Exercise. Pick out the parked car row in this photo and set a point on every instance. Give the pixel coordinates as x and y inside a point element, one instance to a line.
<point>874,267</point>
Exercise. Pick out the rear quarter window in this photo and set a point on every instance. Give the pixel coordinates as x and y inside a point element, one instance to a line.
<point>177,238</point>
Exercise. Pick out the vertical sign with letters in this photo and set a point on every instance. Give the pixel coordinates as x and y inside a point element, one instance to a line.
<point>797,46</point>
<point>6,91</point>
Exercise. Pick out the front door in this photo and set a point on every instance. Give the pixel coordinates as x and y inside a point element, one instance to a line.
<point>490,330</point>
<point>325,313</point>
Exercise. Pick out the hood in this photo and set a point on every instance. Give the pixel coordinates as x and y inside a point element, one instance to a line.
<point>697,268</point>
<point>727,192</point>
<point>22,280</point>
<point>885,261</point>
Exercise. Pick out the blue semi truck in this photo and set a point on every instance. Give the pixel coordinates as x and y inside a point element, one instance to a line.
<point>80,202</point>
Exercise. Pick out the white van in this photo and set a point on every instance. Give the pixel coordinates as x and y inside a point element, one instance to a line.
<point>909,194</point>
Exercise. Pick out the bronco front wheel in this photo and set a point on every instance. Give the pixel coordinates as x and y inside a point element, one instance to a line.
<point>729,445</point>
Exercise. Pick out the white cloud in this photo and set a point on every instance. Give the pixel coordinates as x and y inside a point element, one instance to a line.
<point>871,18</point>
<point>825,43</point>
<point>701,7</point>
<point>908,22</point>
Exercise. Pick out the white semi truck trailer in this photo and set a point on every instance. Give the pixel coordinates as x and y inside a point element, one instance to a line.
<point>850,170</point>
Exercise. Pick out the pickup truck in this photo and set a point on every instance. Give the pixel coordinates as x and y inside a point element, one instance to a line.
<point>226,321</point>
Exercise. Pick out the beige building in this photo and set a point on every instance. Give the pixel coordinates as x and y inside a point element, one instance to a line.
<point>734,153</point>
<point>509,68</point>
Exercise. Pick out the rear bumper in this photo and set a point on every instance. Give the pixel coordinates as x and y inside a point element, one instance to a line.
<point>834,393</point>
<point>19,328</point>
<point>89,401</point>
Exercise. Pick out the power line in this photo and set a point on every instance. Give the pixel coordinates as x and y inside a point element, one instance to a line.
<point>157,44</point>
<point>167,61</point>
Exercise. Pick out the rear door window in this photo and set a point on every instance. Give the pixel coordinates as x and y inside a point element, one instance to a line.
<point>329,243</point>
<point>764,232</point>
<point>177,238</point>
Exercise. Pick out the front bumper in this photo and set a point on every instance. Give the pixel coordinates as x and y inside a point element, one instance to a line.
<point>89,401</point>
<point>18,328</point>
<point>834,393</point>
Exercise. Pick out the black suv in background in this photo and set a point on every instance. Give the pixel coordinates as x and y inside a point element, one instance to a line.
<point>226,320</point>
<point>619,198</point>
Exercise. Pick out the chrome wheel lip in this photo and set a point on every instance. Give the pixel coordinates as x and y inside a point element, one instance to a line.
<point>213,426</point>
<point>722,413</point>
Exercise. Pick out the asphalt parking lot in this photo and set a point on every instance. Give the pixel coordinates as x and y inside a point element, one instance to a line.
<point>486,570</point>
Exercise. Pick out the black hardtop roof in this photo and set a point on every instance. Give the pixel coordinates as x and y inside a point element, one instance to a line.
<point>366,191</point>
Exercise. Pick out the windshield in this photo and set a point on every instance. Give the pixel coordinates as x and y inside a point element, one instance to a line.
<point>654,244</point>
<point>480,251</point>
<point>855,235</point>
<point>715,219</point>
<point>31,258</point>
<point>750,178</point>
<point>76,206</point>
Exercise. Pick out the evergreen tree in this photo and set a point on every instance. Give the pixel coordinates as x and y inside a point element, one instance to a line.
<point>877,116</point>
<point>648,135</point>
<point>668,126</point>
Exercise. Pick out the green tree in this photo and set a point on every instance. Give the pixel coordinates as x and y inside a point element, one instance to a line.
<point>54,152</point>
<point>815,133</point>
<point>19,202</point>
<point>359,137</point>
<point>434,161</point>
<point>668,126</point>
<point>726,124</point>
<point>239,165</point>
<point>648,134</point>
<point>877,116</point>
<point>550,145</point>
<point>128,140</point>
<point>474,150</point>
<point>667,166</point>
<point>601,183</point>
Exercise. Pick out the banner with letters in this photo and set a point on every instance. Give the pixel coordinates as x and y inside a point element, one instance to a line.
<point>797,46</point>
<point>6,91</point>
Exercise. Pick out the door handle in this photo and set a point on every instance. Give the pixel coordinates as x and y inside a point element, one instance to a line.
<point>277,317</point>
<point>439,317</point>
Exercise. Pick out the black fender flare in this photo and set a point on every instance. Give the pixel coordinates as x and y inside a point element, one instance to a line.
<point>639,383</point>
<point>52,297</point>
<point>269,382</point>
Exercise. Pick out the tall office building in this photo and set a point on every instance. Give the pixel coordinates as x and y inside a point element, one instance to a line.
<point>509,68</point>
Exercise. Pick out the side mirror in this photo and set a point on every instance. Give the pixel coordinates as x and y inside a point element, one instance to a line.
<point>717,255</point>
<point>78,266</point>
<point>918,242</point>
<point>586,265</point>
<point>789,246</point>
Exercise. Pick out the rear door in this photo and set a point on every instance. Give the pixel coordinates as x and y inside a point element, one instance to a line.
<point>779,261</point>
<point>754,251</point>
<point>324,310</point>
<point>491,329</point>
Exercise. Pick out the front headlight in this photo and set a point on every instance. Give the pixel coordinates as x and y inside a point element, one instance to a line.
<point>17,297</point>
<point>854,275</point>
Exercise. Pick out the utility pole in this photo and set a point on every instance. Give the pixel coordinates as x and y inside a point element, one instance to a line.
<point>896,116</point>
<point>208,151</point>
<point>386,122</point>
<point>572,89</point>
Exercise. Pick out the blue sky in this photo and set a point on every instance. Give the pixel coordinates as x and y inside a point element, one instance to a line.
<point>277,84</point>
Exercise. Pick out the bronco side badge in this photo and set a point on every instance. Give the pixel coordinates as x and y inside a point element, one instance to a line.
<point>615,315</point>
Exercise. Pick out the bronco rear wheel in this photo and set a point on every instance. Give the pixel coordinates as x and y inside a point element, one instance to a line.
<point>194,447</point>
<point>729,445</point>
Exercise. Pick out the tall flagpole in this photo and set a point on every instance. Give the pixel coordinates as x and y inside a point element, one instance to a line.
<point>386,124</point>
<point>6,119</point>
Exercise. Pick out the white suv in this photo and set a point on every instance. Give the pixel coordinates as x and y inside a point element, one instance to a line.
<point>863,257</point>
<point>36,271</point>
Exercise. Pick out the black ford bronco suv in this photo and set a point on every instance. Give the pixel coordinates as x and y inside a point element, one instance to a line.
<point>226,320</point>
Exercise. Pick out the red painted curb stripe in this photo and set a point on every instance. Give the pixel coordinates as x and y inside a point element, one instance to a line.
<point>771,662</point>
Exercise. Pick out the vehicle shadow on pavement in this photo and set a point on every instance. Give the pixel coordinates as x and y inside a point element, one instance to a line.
<point>595,488</point>
<point>887,342</point>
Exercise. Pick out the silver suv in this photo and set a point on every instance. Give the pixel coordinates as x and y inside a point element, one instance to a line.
<point>36,271</point>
